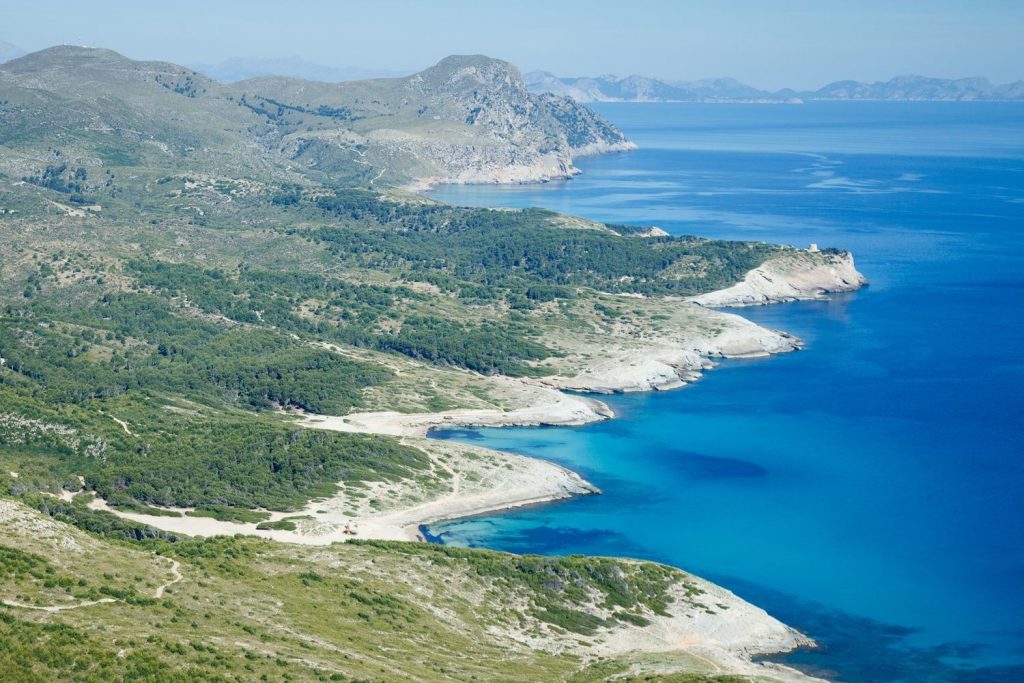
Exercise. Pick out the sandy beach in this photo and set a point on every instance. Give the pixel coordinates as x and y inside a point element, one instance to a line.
<point>477,480</point>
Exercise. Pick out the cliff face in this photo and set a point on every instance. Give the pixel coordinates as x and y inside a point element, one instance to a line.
<point>793,277</point>
<point>490,96</point>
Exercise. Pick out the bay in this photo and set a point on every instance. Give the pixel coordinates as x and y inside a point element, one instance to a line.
<point>867,489</point>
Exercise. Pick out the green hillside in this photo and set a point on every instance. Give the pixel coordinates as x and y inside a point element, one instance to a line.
<point>155,250</point>
<point>188,267</point>
<point>240,609</point>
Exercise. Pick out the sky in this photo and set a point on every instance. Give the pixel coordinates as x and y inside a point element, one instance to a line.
<point>769,44</point>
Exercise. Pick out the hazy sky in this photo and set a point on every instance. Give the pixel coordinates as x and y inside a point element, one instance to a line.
<point>769,44</point>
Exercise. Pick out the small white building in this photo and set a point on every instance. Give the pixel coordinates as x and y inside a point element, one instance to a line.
<point>813,248</point>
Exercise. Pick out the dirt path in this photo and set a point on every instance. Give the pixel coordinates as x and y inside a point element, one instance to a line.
<point>362,161</point>
<point>157,594</point>
<point>58,608</point>
<point>176,570</point>
<point>124,425</point>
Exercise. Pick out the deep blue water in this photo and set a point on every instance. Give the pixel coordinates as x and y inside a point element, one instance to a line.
<point>869,489</point>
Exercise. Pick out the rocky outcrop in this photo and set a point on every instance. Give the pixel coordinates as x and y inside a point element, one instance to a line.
<point>795,276</point>
<point>718,628</point>
<point>512,136</point>
<point>692,337</point>
<point>671,359</point>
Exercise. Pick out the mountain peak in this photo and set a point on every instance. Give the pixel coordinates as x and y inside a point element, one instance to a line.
<point>62,54</point>
<point>9,51</point>
<point>91,71</point>
<point>461,72</point>
<point>453,62</point>
<point>639,88</point>
<point>237,69</point>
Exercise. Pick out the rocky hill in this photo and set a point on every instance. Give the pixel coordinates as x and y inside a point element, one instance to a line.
<point>466,119</point>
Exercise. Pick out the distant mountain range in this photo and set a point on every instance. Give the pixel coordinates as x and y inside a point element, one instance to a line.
<point>643,89</point>
<point>244,68</point>
<point>609,88</point>
<point>9,52</point>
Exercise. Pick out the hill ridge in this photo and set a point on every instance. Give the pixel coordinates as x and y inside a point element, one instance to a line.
<point>468,118</point>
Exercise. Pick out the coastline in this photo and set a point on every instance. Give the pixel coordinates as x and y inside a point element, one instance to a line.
<point>789,278</point>
<point>702,629</point>
<point>669,362</point>
<point>718,630</point>
<point>543,169</point>
<point>550,408</point>
<point>179,347</point>
<point>483,481</point>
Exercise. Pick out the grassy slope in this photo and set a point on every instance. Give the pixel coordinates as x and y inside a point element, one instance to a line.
<point>372,611</point>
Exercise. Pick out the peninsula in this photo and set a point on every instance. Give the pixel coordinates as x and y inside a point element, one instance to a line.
<point>228,325</point>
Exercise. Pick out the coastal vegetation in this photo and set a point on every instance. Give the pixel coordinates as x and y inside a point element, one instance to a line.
<point>560,586</point>
<point>249,609</point>
<point>511,251</point>
<point>191,270</point>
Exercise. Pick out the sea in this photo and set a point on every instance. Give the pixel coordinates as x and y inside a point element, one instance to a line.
<point>868,489</point>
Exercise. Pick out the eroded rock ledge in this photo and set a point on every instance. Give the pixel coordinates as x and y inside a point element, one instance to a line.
<point>796,276</point>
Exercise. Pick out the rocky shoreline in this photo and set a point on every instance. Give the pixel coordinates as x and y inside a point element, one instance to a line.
<point>656,366</point>
<point>789,278</point>
<point>485,481</point>
<point>511,170</point>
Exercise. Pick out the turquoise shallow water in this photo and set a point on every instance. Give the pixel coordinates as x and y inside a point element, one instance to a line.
<point>868,489</point>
